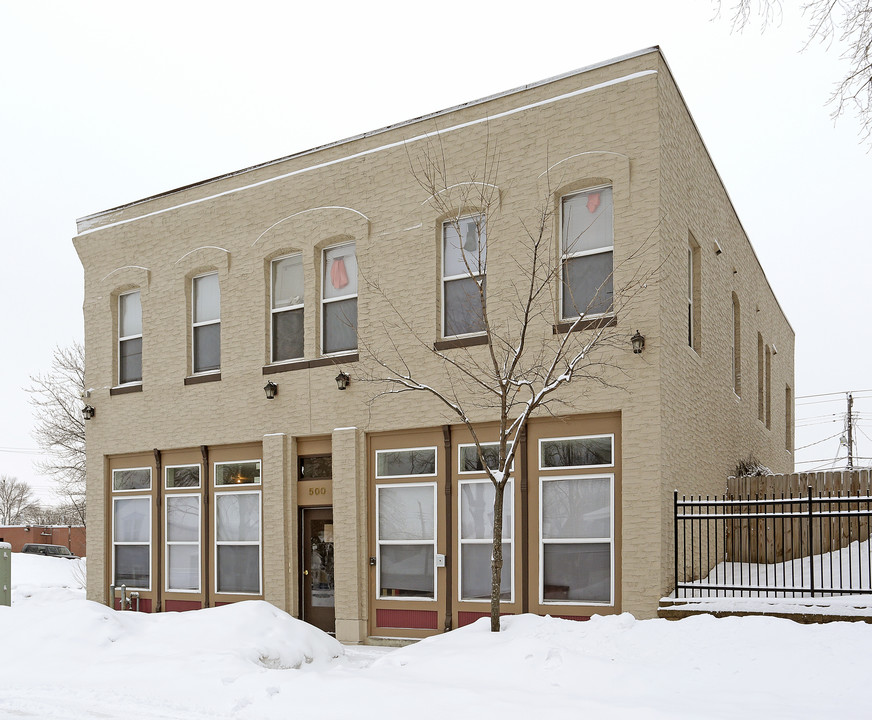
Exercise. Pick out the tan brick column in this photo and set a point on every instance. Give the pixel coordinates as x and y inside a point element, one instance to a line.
<point>349,534</point>
<point>275,566</point>
<point>96,514</point>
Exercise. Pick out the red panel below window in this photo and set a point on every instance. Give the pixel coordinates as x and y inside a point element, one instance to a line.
<point>465,618</point>
<point>182,605</point>
<point>407,619</point>
<point>580,618</point>
<point>144,604</point>
<point>219,604</point>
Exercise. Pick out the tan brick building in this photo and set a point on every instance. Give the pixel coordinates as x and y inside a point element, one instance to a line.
<point>372,516</point>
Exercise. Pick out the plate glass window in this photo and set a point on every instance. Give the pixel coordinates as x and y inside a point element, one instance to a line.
<point>576,540</point>
<point>464,259</point>
<point>587,245</point>
<point>183,543</point>
<point>577,452</point>
<point>129,338</point>
<point>237,540</point>
<point>339,299</point>
<point>131,542</point>
<point>287,308</point>
<point>406,536</point>
<point>476,540</point>
<point>206,323</point>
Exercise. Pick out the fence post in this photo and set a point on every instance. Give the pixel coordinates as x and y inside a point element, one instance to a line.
<point>675,538</point>
<point>811,541</point>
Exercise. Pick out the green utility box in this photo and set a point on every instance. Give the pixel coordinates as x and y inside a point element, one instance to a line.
<point>5,573</point>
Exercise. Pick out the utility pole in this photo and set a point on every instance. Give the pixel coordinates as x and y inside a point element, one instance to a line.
<point>850,432</point>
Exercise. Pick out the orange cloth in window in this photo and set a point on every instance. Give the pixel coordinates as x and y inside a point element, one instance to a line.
<point>593,202</point>
<point>338,273</point>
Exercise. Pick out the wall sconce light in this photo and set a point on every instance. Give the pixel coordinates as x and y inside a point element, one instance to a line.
<point>271,390</point>
<point>342,380</point>
<point>88,412</point>
<point>638,341</point>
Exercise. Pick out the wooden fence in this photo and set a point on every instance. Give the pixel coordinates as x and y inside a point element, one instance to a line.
<point>779,539</point>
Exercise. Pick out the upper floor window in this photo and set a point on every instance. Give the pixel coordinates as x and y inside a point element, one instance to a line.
<point>206,334</point>
<point>287,308</point>
<point>464,259</point>
<point>339,299</point>
<point>587,249</point>
<point>737,346</point>
<point>129,338</point>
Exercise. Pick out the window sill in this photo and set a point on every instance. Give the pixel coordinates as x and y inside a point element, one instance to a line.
<point>592,324</point>
<point>308,364</point>
<point>125,389</point>
<point>461,342</point>
<point>206,378</point>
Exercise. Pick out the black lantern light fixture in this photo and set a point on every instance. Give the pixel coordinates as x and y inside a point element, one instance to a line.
<point>271,390</point>
<point>342,380</point>
<point>88,412</point>
<point>638,341</point>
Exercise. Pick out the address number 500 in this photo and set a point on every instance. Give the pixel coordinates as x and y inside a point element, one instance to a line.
<point>317,491</point>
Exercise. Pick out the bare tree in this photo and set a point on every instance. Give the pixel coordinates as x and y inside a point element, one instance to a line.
<point>521,365</point>
<point>848,22</point>
<point>16,500</point>
<point>56,398</point>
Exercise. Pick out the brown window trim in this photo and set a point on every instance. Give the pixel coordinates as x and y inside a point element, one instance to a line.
<point>198,379</point>
<point>592,324</point>
<point>307,364</point>
<point>125,389</point>
<point>460,342</point>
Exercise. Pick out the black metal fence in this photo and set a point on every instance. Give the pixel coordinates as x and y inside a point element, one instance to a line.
<point>769,547</point>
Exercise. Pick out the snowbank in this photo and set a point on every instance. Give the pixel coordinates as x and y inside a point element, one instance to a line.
<point>47,579</point>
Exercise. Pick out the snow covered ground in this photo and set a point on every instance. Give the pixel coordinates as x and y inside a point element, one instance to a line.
<point>64,657</point>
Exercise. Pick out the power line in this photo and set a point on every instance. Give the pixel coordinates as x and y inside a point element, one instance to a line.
<point>845,392</point>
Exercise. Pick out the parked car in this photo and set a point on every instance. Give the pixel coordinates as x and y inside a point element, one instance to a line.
<point>58,551</point>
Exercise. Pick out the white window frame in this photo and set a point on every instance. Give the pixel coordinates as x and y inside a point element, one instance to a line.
<point>259,542</point>
<point>136,490</point>
<point>124,338</point>
<point>199,484</point>
<point>115,544</point>
<point>273,310</point>
<point>408,449</point>
<point>578,541</point>
<point>482,225</point>
<point>564,256</point>
<point>691,340</point>
<point>379,542</point>
<point>461,471</point>
<point>507,494</point>
<point>195,325</point>
<point>256,483</point>
<point>326,301</point>
<point>561,468</point>
<point>168,543</point>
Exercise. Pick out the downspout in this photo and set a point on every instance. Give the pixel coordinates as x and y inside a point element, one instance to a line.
<point>446,437</point>
<point>525,527</point>
<point>204,454</point>
<point>159,543</point>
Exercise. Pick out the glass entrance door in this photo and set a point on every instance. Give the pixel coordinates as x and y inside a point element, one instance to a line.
<point>317,567</point>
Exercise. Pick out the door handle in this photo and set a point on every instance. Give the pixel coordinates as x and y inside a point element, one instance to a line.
<point>305,572</point>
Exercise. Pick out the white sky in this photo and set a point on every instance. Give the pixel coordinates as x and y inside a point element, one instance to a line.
<point>102,103</point>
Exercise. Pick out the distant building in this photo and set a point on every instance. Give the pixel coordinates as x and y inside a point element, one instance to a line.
<point>70,536</point>
<point>369,520</point>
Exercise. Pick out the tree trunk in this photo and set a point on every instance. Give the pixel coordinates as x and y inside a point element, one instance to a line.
<point>497,556</point>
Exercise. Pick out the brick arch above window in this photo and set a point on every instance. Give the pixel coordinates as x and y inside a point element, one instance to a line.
<point>314,225</point>
<point>581,169</point>
<point>204,259</point>
<point>126,278</point>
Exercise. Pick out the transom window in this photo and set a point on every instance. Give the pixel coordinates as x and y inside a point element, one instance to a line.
<point>206,331</point>
<point>129,338</point>
<point>406,540</point>
<point>182,476</point>
<point>131,479</point>
<point>339,299</point>
<point>576,551</point>
<point>476,540</point>
<point>405,463</point>
<point>587,249</point>
<point>468,460</point>
<point>464,259</point>
<point>577,452</point>
<point>287,308</point>
<point>237,473</point>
